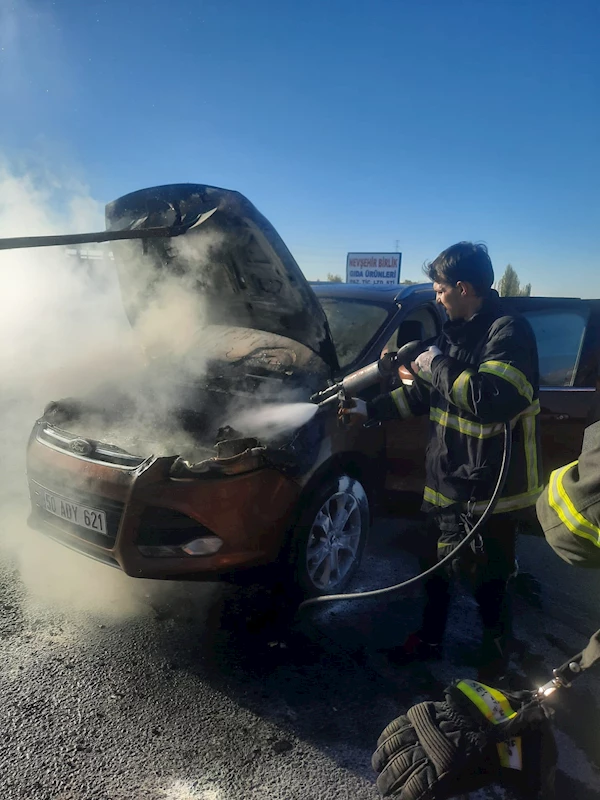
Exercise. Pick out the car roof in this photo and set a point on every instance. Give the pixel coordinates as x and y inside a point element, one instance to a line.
<point>387,294</point>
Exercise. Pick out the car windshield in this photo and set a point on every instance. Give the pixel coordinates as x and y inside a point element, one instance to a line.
<point>353,325</point>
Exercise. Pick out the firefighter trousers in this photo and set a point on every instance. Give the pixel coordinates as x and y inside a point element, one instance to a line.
<point>488,583</point>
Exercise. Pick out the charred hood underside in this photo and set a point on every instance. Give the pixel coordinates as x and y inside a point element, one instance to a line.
<point>231,256</point>
<point>259,335</point>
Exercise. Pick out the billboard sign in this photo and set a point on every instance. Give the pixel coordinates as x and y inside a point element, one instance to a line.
<point>373,269</point>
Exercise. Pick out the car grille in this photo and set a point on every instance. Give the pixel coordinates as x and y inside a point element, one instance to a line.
<point>87,449</point>
<point>112,509</point>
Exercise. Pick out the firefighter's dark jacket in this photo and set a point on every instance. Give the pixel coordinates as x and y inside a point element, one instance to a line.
<point>569,508</point>
<point>488,375</point>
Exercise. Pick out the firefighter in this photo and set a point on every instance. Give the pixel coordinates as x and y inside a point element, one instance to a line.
<point>481,372</point>
<point>569,508</point>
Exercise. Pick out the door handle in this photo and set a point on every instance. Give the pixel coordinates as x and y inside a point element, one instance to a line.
<point>555,417</point>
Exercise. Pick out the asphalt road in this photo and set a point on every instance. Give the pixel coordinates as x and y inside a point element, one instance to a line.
<point>114,688</point>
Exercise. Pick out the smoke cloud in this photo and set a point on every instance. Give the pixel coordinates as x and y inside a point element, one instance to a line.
<point>47,350</point>
<point>65,333</point>
<point>132,343</point>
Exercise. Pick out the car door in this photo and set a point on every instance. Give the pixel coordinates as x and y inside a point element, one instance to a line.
<point>406,440</point>
<point>566,331</point>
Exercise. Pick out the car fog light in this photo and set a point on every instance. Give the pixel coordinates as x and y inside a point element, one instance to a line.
<point>204,546</point>
<point>160,550</point>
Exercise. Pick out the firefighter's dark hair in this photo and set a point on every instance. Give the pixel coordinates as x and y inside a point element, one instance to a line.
<point>465,261</point>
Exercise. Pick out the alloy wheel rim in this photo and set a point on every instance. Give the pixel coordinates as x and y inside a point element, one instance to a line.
<point>334,540</point>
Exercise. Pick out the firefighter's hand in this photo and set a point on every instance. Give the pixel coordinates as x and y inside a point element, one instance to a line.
<point>422,364</point>
<point>388,365</point>
<point>354,412</point>
<point>440,750</point>
<point>432,752</point>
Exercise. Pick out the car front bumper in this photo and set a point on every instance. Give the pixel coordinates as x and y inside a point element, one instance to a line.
<point>149,515</point>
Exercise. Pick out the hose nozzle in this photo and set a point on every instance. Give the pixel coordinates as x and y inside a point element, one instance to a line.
<point>327,396</point>
<point>368,376</point>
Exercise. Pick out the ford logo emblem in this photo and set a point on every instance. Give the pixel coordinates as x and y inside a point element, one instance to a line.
<point>81,447</point>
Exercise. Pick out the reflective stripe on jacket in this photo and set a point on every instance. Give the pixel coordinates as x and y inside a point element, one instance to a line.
<point>487,375</point>
<point>569,508</point>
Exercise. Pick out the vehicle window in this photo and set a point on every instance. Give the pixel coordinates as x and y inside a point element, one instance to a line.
<point>559,337</point>
<point>429,320</point>
<point>353,325</point>
<point>405,333</point>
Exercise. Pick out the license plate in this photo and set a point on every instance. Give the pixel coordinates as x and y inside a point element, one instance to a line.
<point>89,518</point>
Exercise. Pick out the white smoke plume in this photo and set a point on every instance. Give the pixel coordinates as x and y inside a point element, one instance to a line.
<point>64,333</point>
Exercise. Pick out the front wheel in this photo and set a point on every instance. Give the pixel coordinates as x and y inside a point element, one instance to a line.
<point>330,536</point>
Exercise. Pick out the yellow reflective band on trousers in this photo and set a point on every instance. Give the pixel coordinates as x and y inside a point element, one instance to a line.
<point>564,507</point>
<point>460,390</point>
<point>401,403</point>
<point>436,498</point>
<point>513,502</point>
<point>511,374</point>
<point>495,707</point>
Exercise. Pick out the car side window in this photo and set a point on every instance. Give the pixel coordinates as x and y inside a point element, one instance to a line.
<point>420,323</point>
<point>353,325</point>
<point>559,335</point>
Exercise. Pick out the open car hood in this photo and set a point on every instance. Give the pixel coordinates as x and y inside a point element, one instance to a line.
<point>230,257</point>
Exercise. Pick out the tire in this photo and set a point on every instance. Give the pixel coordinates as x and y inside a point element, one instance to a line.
<point>330,537</point>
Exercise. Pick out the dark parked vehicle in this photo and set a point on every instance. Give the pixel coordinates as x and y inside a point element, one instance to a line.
<point>172,490</point>
<point>568,338</point>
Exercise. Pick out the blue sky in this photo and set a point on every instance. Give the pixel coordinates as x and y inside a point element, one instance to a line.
<point>349,124</point>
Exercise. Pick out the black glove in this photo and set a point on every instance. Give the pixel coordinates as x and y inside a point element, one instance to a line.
<point>434,751</point>
<point>444,749</point>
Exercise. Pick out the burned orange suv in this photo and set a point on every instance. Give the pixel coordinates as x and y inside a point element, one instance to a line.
<point>210,460</point>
